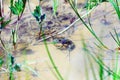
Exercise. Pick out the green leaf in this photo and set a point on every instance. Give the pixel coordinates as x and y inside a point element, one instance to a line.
<point>90,4</point>
<point>4,24</point>
<point>14,10</point>
<point>11,2</point>
<point>17,67</point>
<point>1,62</point>
<point>1,19</point>
<point>14,34</point>
<point>24,4</point>
<point>17,7</point>
<point>37,13</point>
<point>103,0</point>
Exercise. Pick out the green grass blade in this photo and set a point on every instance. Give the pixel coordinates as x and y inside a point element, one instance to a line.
<point>88,27</point>
<point>101,69</point>
<point>116,66</point>
<point>92,68</point>
<point>116,7</point>
<point>55,6</point>
<point>51,59</point>
<point>104,67</point>
<point>117,37</point>
<point>90,63</point>
<point>86,70</point>
<point>114,39</point>
<point>24,5</point>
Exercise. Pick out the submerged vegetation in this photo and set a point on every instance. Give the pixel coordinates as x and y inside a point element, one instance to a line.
<point>100,71</point>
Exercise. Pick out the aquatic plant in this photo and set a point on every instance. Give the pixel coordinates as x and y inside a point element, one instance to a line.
<point>17,9</point>
<point>40,18</point>
<point>103,69</point>
<point>71,2</point>
<point>52,61</point>
<point>8,60</point>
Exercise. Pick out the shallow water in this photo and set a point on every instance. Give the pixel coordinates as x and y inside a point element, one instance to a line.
<point>33,52</point>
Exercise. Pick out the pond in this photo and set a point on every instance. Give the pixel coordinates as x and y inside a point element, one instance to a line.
<point>53,41</point>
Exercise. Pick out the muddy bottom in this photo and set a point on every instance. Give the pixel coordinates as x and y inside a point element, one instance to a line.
<point>31,52</point>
